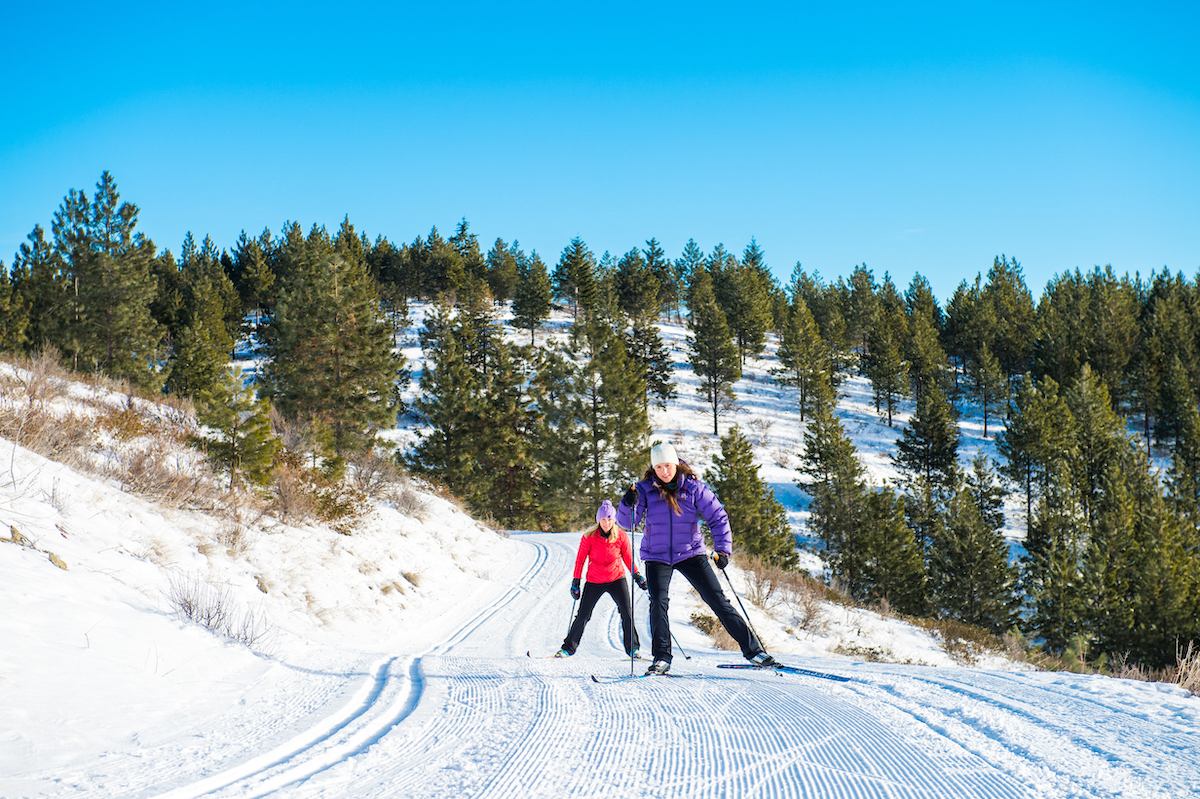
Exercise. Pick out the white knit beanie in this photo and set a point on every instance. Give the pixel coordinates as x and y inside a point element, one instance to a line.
<point>663,453</point>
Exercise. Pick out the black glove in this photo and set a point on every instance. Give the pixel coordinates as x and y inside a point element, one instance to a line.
<point>630,498</point>
<point>575,588</point>
<point>721,559</point>
<point>640,580</point>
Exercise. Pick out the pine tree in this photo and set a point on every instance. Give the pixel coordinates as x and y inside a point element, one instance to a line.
<point>561,437</point>
<point>861,308</point>
<point>503,269</point>
<point>507,472</point>
<point>533,295</point>
<point>893,565</point>
<point>14,315</point>
<point>987,383</point>
<point>575,277</point>
<point>246,447</point>
<point>466,244</point>
<point>927,364</point>
<point>205,322</point>
<point>613,422</point>
<point>449,402</point>
<point>833,478</point>
<point>801,353</point>
<point>254,276</point>
<point>1175,397</point>
<point>928,445</point>
<point>1051,576</point>
<point>1039,436</point>
<point>670,287</point>
<point>99,288</point>
<point>758,520</point>
<point>971,578</point>
<point>919,302</point>
<point>652,358</point>
<point>713,356</point>
<point>884,363</point>
<point>334,364</point>
<point>1184,474</point>
<point>1014,327</point>
<point>637,288</point>
<point>747,306</point>
<point>959,333</point>
<point>1100,438</point>
<point>689,262</point>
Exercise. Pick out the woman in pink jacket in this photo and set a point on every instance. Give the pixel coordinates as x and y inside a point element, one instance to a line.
<point>608,553</point>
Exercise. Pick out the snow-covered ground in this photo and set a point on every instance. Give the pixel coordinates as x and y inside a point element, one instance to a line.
<point>392,663</point>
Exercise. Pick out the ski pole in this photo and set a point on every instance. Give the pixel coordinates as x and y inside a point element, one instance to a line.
<point>686,656</point>
<point>743,607</point>
<point>571,618</point>
<point>632,615</point>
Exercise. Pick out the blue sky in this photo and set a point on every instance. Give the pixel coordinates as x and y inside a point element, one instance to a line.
<point>926,138</point>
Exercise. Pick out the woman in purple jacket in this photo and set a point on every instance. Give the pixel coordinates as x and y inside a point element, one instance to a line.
<point>672,500</point>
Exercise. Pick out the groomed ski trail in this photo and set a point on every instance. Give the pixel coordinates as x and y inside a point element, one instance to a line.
<point>473,716</point>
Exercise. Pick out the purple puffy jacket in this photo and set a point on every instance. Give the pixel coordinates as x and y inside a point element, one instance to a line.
<point>671,537</point>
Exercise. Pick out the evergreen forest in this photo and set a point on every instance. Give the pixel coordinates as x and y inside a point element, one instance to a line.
<point>1089,390</point>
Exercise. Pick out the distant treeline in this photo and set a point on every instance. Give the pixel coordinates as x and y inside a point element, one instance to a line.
<point>536,435</point>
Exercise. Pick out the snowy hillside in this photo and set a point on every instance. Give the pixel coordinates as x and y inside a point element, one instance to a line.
<point>392,662</point>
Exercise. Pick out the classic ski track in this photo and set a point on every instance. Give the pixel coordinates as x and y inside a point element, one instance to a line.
<point>1003,737</point>
<point>491,727</point>
<point>459,720</point>
<point>383,703</point>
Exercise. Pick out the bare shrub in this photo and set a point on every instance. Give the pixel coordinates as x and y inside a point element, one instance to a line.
<point>964,642</point>
<point>1122,669</point>
<point>59,500</point>
<point>1187,671</point>
<point>232,536</point>
<point>764,581</point>
<point>66,437</point>
<point>716,631</point>
<point>43,378</point>
<point>771,587</point>
<point>760,431</point>
<point>154,472</point>
<point>212,607</point>
<point>296,436</point>
<point>301,494</point>
<point>803,596</point>
<point>872,654</point>
<point>125,423</point>
<point>292,501</point>
<point>373,474</point>
<point>413,578</point>
<point>406,498</point>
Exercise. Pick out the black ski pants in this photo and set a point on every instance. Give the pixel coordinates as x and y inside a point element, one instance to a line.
<point>704,580</point>
<point>619,591</point>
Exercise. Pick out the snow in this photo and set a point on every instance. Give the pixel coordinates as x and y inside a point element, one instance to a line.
<point>392,662</point>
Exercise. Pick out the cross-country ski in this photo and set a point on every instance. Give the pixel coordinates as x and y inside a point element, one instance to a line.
<point>779,668</point>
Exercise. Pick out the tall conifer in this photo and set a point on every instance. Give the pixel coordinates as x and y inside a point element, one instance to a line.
<point>758,520</point>
<point>334,363</point>
<point>713,356</point>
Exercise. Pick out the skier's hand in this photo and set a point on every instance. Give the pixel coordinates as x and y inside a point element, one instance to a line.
<point>630,498</point>
<point>720,559</point>
<point>575,588</point>
<point>640,580</point>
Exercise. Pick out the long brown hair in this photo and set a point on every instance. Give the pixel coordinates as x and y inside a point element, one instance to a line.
<point>680,469</point>
<point>596,529</point>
